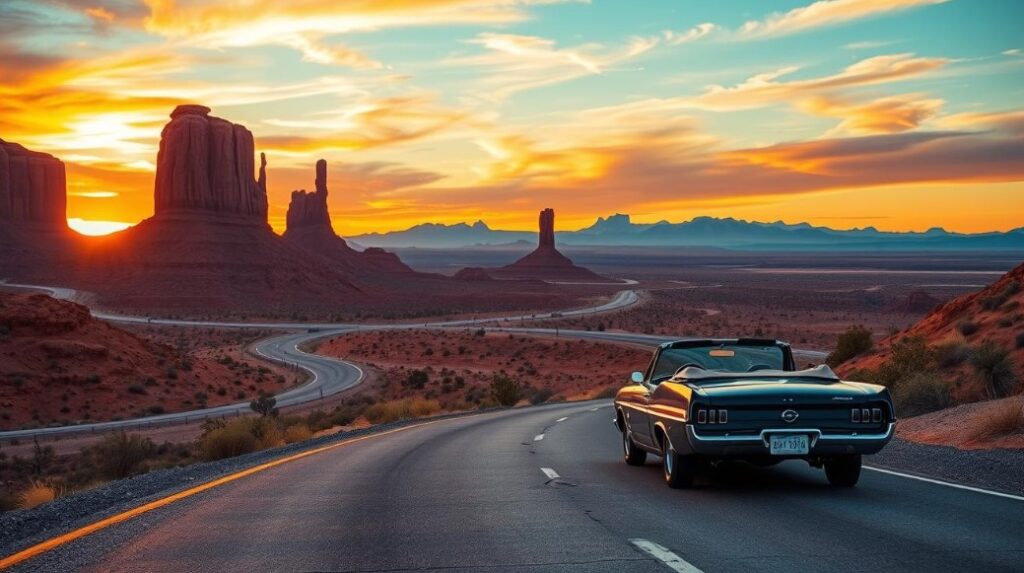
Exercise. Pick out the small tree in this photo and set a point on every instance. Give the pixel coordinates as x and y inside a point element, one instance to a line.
<point>854,341</point>
<point>505,390</point>
<point>265,405</point>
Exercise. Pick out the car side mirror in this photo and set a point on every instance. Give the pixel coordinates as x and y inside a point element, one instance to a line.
<point>637,377</point>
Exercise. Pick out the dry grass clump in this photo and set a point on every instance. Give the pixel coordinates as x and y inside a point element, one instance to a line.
<point>297,433</point>
<point>384,412</point>
<point>1002,420</point>
<point>228,439</point>
<point>37,493</point>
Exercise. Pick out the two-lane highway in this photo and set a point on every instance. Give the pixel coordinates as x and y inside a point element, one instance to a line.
<point>544,489</point>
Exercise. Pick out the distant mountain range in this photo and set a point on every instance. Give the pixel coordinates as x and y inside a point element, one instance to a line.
<point>728,233</point>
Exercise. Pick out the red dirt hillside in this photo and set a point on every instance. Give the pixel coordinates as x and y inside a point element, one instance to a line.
<point>58,364</point>
<point>994,314</point>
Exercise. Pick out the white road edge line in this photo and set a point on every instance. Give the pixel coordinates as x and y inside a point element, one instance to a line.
<point>946,483</point>
<point>552,474</point>
<point>562,419</point>
<point>538,437</point>
<point>669,559</point>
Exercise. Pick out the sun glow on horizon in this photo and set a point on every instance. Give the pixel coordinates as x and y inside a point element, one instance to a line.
<point>96,228</point>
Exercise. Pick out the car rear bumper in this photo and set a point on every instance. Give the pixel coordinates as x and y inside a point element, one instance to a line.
<point>821,444</point>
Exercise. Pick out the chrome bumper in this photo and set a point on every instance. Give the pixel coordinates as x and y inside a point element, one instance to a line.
<point>820,444</point>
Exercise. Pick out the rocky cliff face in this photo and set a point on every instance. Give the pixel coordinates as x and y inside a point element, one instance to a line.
<point>33,187</point>
<point>206,164</point>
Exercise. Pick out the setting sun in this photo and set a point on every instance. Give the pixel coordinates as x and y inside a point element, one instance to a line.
<point>96,228</point>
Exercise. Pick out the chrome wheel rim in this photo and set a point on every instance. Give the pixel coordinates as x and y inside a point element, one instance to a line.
<point>668,461</point>
<point>626,446</point>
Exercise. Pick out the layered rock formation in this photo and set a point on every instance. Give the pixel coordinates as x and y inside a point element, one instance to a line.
<point>208,245</point>
<point>35,241</point>
<point>546,262</point>
<point>205,163</point>
<point>309,227</point>
<point>33,187</point>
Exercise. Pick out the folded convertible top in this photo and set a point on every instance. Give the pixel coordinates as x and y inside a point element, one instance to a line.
<point>821,372</point>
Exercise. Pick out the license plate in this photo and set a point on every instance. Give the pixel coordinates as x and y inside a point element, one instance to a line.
<point>788,444</point>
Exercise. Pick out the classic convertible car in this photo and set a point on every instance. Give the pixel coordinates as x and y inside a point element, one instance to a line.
<point>703,401</point>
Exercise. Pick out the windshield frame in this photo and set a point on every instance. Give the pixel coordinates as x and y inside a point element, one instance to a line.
<point>653,378</point>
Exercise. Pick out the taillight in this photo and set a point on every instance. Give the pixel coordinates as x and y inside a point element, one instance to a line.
<point>866,415</point>
<point>712,416</point>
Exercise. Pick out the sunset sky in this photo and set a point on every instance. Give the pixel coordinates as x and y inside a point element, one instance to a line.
<point>898,114</point>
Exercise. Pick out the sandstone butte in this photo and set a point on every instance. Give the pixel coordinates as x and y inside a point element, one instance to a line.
<point>309,227</point>
<point>545,262</point>
<point>208,244</point>
<point>32,187</point>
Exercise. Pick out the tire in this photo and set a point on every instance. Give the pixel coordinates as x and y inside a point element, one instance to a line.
<point>679,470</point>
<point>843,471</point>
<point>633,455</point>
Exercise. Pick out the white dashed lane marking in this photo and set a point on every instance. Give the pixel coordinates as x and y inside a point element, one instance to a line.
<point>669,559</point>
<point>562,419</point>
<point>552,474</point>
<point>538,437</point>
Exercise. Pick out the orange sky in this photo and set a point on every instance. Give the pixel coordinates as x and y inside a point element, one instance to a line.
<point>844,113</point>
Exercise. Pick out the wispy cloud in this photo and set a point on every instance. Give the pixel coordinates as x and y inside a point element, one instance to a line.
<point>513,63</point>
<point>824,13</point>
<point>307,25</point>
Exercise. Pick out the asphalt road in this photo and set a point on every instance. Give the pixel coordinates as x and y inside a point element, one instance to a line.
<point>477,494</point>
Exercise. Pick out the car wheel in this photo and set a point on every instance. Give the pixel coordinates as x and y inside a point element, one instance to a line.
<point>634,456</point>
<point>679,470</point>
<point>843,471</point>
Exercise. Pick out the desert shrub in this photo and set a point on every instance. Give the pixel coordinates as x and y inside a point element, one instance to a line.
<point>4,330</point>
<point>137,389</point>
<point>1002,420</point>
<point>265,405</point>
<point>505,390</point>
<point>854,341</point>
<point>967,328</point>
<point>409,408</point>
<point>997,300</point>
<point>909,356</point>
<point>417,379</point>
<point>541,396</point>
<point>992,364</point>
<point>227,440</point>
<point>37,493</point>
<point>120,454</point>
<point>952,353</point>
<point>920,393</point>
<point>297,433</point>
<point>1020,340</point>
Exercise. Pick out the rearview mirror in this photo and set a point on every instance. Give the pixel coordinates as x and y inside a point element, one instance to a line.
<point>637,377</point>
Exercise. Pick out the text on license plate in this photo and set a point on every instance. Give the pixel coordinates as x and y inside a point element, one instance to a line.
<point>788,444</point>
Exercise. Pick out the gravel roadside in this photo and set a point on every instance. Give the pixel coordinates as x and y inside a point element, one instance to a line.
<point>998,469</point>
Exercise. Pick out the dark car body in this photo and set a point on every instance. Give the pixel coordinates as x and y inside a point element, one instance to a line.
<point>749,405</point>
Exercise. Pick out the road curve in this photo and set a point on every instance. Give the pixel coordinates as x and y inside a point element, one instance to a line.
<point>329,375</point>
<point>544,489</point>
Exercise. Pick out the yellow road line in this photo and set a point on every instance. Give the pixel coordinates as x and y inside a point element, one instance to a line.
<point>53,543</point>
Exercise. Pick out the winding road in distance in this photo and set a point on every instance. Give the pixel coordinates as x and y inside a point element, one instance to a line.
<point>327,375</point>
<point>544,489</point>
